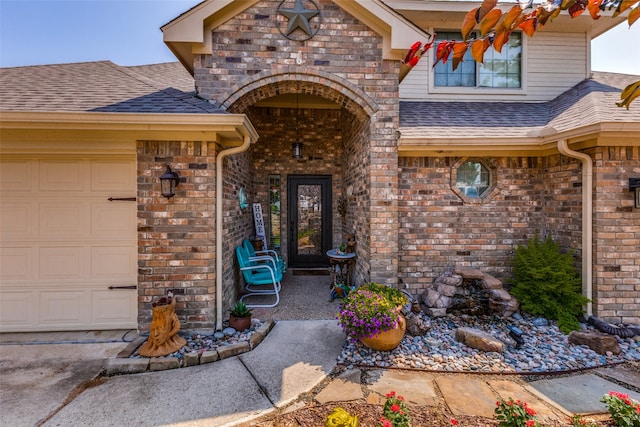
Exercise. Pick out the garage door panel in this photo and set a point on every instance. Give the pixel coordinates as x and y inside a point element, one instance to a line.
<point>62,219</point>
<point>16,219</point>
<point>16,264</point>
<point>114,263</point>
<point>18,311</point>
<point>112,176</point>
<point>112,219</point>
<point>58,308</point>
<point>17,176</point>
<point>58,262</point>
<point>65,176</point>
<point>114,306</point>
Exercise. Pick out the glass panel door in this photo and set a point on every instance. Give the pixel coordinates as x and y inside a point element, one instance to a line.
<point>309,200</point>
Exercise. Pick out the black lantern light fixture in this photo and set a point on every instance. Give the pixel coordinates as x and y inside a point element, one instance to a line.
<point>296,147</point>
<point>169,180</point>
<point>634,185</point>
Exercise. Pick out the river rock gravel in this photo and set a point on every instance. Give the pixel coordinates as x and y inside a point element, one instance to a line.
<point>545,349</point>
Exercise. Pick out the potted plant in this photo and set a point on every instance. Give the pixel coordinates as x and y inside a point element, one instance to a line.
<point>240,317</point>
<point>371,315</point>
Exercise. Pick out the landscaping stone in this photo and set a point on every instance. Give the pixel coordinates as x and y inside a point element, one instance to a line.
<point>600,343</point>
<point>117,366</point>
<point>163,363</point>
<point>344,388</point>
<point>209,357</point>
<point>478,339</point>
<point>233,349</point>
<point>472,396</point>
<point>191,359</point>
<point>417,388</point>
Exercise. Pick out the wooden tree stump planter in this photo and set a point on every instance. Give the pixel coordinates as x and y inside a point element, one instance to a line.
<point>163,332</point>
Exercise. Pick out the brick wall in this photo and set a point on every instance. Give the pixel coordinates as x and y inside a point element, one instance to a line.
<point>616,235</point>
<point>176,237</point>
<point>440,229</point>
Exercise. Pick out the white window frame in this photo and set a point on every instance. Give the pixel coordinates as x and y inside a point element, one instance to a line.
<point>475,90</point>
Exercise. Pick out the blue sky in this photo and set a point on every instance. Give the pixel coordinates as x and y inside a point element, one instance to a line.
<point>127,32</point>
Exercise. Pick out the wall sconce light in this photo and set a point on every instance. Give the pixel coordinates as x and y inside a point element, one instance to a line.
<point>634,185</point>
<point>169,180</point>
<point>296,150</point>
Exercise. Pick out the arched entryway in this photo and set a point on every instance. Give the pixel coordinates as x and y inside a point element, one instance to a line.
<point>331,120</point>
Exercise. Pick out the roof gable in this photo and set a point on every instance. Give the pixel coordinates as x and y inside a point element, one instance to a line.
<point>186,35</point>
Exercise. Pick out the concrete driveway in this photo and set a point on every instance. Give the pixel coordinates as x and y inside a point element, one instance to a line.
<point>39,372</point>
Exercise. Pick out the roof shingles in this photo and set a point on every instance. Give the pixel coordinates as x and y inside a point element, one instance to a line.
<point>101,86</point>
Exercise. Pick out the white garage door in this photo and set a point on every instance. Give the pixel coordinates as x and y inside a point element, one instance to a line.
<point>63,244</point>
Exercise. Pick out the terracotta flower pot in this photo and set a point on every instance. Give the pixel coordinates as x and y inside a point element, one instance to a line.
<point>387,340</point>
<point>239,323</point>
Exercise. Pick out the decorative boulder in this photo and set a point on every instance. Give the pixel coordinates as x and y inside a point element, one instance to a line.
<point>416,325</point>
<point>600,343</point>
<point>480,340</point>
<point>468,291</point>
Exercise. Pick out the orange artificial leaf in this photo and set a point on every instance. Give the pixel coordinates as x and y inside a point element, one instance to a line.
<point>443,51</point>
<point>500,39</point>
<point>577,8</point>
<point>545,16</point>
<point>469,23</point>
<point>624,5</point>
<point>459,50</point>
<point>633,16</point>
<point>511,16</point>
<point>478,48</point>
<point>486,7</point>
<point>594,8</point>
<point>529,26</point>
<point>489,21</point>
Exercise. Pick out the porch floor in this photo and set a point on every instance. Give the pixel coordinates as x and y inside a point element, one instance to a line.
<point>303,297</point>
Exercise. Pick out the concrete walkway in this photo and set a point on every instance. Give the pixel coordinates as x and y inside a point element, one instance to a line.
<point>59,384</point>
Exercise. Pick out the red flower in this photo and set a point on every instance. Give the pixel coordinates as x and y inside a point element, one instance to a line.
<point>454,422</point>
<point>530,423</point>
<point>529,410</point>
<point>390,394</point>
<point>395,408</point>
<point>385,422</point>
<point>401,398</point>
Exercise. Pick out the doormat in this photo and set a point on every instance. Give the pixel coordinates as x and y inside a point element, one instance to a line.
<point>310,271</point>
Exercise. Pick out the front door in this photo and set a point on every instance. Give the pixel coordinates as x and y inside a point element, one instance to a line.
<point>309,207</point>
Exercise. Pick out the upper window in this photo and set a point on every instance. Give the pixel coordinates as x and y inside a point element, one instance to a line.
<point>500,70</point>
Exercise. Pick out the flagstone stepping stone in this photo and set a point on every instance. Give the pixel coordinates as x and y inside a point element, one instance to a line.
<point>467,395</point>
<point>416,387</point>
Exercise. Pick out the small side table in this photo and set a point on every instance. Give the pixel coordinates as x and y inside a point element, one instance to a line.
<point>341,266</point>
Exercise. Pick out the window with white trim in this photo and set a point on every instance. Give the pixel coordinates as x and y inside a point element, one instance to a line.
<point>500,69</point>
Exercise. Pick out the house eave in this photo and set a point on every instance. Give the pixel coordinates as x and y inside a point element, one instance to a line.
<point>537,143</point>
<point>18,128</point>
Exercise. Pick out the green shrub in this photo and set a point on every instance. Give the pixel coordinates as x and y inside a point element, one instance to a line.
<point>546,283</point>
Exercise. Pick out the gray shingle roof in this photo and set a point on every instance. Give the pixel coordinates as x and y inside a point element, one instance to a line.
<point>101,86</point>
<point>589,102</point>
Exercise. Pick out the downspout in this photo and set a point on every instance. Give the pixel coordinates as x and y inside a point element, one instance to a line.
<point>219,218</point>
<point>587,219</point>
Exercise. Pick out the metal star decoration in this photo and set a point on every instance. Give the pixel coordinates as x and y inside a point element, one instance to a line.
<point>299,18</point>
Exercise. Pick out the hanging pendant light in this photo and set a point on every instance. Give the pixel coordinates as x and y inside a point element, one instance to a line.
<point>296,147</point>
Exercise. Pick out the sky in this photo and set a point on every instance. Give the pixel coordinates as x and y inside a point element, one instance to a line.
<point>127,32</point>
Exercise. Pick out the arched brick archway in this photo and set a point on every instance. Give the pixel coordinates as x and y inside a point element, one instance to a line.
<point>299,80</point>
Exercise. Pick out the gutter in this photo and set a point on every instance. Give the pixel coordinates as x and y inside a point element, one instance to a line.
<point>219,217</point>
<point>587,219</point>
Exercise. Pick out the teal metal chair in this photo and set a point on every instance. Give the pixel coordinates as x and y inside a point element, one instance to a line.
<point>264,255</point>
<point>261,278</point>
